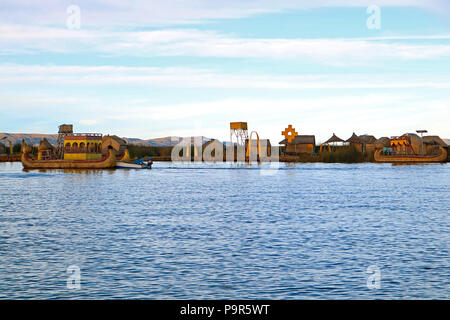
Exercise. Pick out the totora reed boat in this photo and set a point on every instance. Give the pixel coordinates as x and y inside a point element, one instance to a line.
<point>109,161</point>
<point>440,156</point>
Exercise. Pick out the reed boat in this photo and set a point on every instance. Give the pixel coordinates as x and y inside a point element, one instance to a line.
<point>109,161</point>
<point>440,156</point>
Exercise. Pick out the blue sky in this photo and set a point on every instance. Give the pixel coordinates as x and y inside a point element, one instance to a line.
<point>149,69</point>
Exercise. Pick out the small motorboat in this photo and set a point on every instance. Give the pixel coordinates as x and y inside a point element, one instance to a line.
<point>136,164</point>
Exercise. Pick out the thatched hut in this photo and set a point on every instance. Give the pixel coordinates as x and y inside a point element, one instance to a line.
<point>435,140</point>
<point>45,150</point>
<point>432,144</point>
<point>334,140</point>
<point>118,144</point>
<point>363,143</point>
<point>382,142</point>
<point>368,142</point>
<point>300,145</point>
<point>355,141</point>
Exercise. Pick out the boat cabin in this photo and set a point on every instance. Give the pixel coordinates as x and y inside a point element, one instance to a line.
<point>83,146</point>
<point>407,144</point>
<point>301,144</point>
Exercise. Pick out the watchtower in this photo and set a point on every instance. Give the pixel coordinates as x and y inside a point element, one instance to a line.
<point>64,130</point>
<point>240,131</point>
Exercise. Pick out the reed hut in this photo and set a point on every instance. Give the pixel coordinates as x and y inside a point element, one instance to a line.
<point>432,144</point>
<point>355,141</point>
<point>382,143</point>
<point>333,141</point>
<point>368,143</point>
<point>46,150</point>
<point>300,145</point>
<point>435,140</point>
<point>118,144</point>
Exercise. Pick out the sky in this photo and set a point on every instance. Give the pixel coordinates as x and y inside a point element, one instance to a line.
<point>148,69</point>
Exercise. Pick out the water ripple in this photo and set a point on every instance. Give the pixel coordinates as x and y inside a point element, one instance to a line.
<point>300,231</point>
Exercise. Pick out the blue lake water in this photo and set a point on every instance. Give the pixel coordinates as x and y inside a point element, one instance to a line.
<point>302,231</point>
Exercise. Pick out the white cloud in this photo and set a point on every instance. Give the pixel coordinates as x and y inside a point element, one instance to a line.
<point>191,42</point>
<point>171,12</point>
<point>204,78</point>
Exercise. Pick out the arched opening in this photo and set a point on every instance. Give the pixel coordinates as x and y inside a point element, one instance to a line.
<point>67,147</point>
<point>82,147</point>
<point>249,146</point>
<point>75,147</point>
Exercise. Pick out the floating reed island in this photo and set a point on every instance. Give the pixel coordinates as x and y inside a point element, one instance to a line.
<point>407,148</point>
<point>95,151</point>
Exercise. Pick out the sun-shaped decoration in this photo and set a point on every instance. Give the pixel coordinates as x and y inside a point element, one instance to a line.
<point>289,133</point>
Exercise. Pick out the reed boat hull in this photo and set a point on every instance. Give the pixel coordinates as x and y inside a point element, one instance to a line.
<point>105,163</point>
<point>441,157</point>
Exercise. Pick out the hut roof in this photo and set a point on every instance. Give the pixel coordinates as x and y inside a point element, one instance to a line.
<point>45,145</point>
<point>117,139</point>
<point>354,139</point>
<point>334,138</point>
<point>302,139</point>
<point>367,138</point>
<point>383,140</point>
<point>434,140</point>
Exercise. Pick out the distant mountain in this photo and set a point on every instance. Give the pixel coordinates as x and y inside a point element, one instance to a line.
<point>163,142</point>
<point>447,141</point>
<point>35,138</point>
<point>30,138</point>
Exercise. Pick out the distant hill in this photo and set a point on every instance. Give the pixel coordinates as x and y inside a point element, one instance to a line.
<point>30,138</point>
<point>447,141</point>
<point>35,138</point>
<point>162,142</point>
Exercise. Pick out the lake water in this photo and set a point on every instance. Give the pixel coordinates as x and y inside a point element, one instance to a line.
<point>303,231</point>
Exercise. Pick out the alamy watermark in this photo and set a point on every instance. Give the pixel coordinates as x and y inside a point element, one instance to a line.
<point>374,277</point>
<point>195,150</point>
<point>74,19</point>
<point>374,20</point>
<point>74,279</point>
